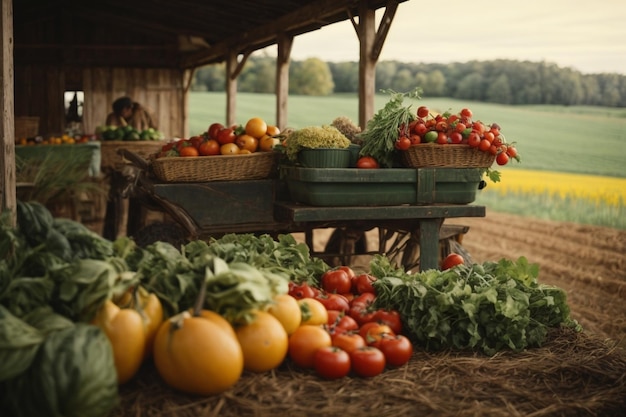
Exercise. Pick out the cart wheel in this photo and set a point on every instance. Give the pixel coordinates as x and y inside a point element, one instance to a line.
<point>335,250</point>
<point>164,232</point>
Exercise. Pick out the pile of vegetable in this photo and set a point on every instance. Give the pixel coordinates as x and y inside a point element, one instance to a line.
<point>127,133</point>
<point>79,314</point>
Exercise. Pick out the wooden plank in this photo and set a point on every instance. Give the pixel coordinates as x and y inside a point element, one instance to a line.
<point>8,199</point>
<point>298,213</point>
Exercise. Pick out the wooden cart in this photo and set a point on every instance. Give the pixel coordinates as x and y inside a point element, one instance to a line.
<point>411,235</point>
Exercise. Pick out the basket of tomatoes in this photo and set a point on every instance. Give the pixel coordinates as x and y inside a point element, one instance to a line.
<point>454,140</point>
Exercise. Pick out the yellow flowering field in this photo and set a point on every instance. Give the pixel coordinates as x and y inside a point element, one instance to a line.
<point>559,196</point>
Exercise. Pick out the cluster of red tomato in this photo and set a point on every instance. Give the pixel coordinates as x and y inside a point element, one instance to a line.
<point>255,135</point>
<point>364,340</point>
<point>447,128</point>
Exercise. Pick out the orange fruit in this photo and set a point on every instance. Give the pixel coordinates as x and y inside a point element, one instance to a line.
<point>272,130</point>
<point>247,142</point>
<point>267,143</point>
<point>229,149</point>
<point>256,127</point>
<point>264,342</point>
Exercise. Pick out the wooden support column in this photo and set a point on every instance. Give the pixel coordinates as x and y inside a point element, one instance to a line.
<point>8,199</point>
<point>285,43</point>
<point>370,46</point>
<point>233,69</point>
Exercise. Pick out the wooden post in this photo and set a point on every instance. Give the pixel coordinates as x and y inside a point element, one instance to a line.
<point>370,46</point>
<point>8,199</point>
<point>282,79</point>
<point>367,65</point>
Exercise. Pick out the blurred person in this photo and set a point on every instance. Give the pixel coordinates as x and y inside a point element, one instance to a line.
<point>122,112</point>
<point>140,118</point>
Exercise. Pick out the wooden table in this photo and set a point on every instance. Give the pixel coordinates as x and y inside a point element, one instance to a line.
<point>423,222</point>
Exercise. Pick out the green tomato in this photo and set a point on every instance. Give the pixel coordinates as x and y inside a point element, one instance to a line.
<point>430,136</point>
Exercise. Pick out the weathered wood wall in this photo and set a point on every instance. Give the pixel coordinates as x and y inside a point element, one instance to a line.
<point>39,91</point>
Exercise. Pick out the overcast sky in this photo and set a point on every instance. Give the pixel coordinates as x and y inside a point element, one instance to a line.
<point>588,36</point>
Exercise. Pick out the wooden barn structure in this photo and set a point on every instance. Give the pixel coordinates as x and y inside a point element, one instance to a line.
<point>148,49</point>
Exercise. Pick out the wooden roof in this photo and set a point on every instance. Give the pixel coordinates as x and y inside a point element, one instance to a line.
<point>164,33</point>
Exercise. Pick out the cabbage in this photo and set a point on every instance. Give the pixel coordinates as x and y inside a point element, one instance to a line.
<point>73,375</point>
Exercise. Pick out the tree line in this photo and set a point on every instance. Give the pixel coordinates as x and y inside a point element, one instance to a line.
<point>499,81</point>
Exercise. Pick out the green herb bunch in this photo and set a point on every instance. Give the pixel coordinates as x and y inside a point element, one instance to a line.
<point>382,130</point>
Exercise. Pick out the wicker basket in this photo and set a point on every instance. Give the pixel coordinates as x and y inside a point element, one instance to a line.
<point>257,165</point>
<point>452,155</point>
<point>110,159</point>
<point>26,127</point>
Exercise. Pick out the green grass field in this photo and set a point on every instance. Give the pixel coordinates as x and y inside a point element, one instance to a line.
<point>578,140</point>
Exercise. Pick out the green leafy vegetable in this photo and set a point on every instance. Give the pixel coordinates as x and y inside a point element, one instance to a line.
<point>486,307</point>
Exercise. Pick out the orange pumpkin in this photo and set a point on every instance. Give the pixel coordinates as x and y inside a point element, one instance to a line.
<point>195,354</point>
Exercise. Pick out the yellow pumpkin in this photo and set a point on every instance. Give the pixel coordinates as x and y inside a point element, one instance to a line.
<point>126,331</point>
<point>195,354</point>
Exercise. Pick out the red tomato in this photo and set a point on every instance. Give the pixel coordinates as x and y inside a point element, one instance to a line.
<point>333,317</point>
<point>511,151</point>
<point>365,299</point>
<point>300,291</point>
<point>348,341</point>
<point>333,301</point>
<point>331,362</point>
<point>422,111</point>
<point>484,145</point>
<point>209,147</point>
<point>502,158</point>
<point>466,113</point>
<point>397,349</point>
<point>363,284</point>
<point>367,361</point>
<point>391,318</point>
<point>473,139</point>
<point>456,137</point>
<point>347,270</point>
<point>403,143</point>
<point>420,129</point>
<point>226,135</point>
<point>442,138</point>
<point>451,260</point>
<point>214,129</point>
<point>336,281</point>
<point>367,162</point>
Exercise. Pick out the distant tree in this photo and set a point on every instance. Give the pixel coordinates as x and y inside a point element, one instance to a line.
<point>345,76</point>
<point>403,81</point>
<point>385,72</point>
<point>258,76</point>
<point>499,91</point>
<point>435,84</point>
<point>210,78</point>
<point>311,77</point>
<point>471,87</point>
